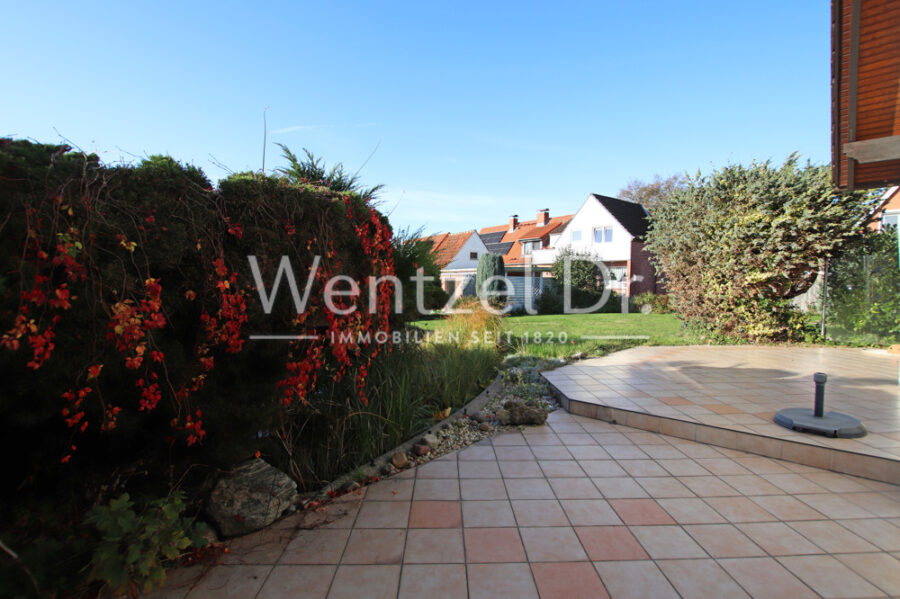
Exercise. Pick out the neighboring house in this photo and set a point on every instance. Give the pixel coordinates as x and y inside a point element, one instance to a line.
<point>887,212</point>
<point>457,256</point>
<point>519,243</point>
<point>612,230</point>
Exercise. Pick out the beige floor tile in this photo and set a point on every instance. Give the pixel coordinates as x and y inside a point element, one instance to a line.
<point>383,514</point>
<point>832,537</point>
<point>588,452</point>
<point>708,486</point>
<point>375,582</point>
<point>475,488</point>
<point>601,468</point>
<point>765,577</point>
<point>590,512</point>
<point>433,580</point>
<point>879,532</point>
<point>723,466</point>
<point>785,507</point>
<point>437,489</point>
<point>501,581</point>
<point>723,540</point>
<point>616,487</point>
<point>230,582</point>
<point>552,452</point>
<point>667,542</point>
<point>528,488</point>
<point>297,582</point>
<point>574,488</point>
<point>739,509</point>
<point>635,580</point>
<point>552,544</point>
<point>520,469</point>
<point>261,547</point>
<point>751,484</point>
<point>392,489</point>
<point>664,487</point>
<point>514,452</point>
<point>539,512</point>
<point>701,579</point>
<point>643,468</point>
<point>791,483</point>
<point>435,514</point>
<point>834,506</point>
<point>375,546</point>
<point>778,538</point>
<point>477,452</point>
<point>571,580</point>
<point>487,513</point>
<point>626,452</point>
<point>438,469</point>
<point>434,546</point>
<point>880,569</point>
<point>829,577</point>
<point>317,546</point>
<point>561,468</point>
<point>478,469</point>
<point>690,510</point>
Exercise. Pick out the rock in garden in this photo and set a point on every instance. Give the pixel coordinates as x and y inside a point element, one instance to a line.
<point>399,460</point>
<point>350,486</point>
<point>420,450</point>
<point>478,416</point>
<point>520,413</point>
<point>430,440</point>
<point>484,426</point>
<point>387,469</point>
<point>250,497</point>
<point>578,356</point>
<point>502,416</point>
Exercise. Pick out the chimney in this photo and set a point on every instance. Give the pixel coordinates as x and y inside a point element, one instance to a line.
<point>543,217</point>
<point>513,222</point>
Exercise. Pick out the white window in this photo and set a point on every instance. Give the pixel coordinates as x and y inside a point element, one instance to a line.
<point>529,246</point>
<point>576,235</point>
<point>891,219</point>
<point>602,234</point>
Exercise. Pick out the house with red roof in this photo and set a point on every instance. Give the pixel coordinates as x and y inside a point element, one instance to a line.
<point>457,256</point>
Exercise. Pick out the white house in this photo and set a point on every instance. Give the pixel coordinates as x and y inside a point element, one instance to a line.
<point>613,231</point>
<point>457,256</point>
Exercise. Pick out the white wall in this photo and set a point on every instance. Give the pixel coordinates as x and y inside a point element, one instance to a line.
<point>461,260</point>
<point>593,215</point>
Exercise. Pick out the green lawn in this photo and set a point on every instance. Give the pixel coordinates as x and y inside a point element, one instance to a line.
<point>564,334</point>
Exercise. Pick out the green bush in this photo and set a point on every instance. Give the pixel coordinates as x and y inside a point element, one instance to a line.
<point>490,265</point>
<point>658,302</point>
<point>135,546</point>
<point>864,289</point>
<point>736,246</point>
<point>552,301</point>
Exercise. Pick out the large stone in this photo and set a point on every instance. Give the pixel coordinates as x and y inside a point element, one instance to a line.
<point>250,497</point>
<point>503,416</point>
<point>431,440</point>
<point>399,460</point>
<point>420,450</point>
<point>520,413</point>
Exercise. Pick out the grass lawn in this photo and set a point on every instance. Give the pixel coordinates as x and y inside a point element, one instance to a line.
<point>558,335</point>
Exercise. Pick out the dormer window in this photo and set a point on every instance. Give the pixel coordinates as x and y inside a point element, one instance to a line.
<point>530,246</point>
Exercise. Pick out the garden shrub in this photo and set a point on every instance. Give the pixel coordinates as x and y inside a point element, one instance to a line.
<point>490,265</point>
<point>658,302</point>
<point>736,246</point>
<point>864,289</point>
<point>126,299</point>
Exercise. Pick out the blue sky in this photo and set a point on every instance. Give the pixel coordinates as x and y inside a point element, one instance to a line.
<point>466,112</point>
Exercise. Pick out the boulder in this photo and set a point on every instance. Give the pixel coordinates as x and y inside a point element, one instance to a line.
<point>484,426</point>
<point>503,416</point>
<point>578,355</point>
<point>420,450</point>
<point>478,416</point>
<point>520,413</point>
<point>399,460</point>
<point>250,497</point>
<point>430,440</point>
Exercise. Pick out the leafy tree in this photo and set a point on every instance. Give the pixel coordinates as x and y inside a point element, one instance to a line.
<point>736,246</point>
<point>650,194</point>
<point>410,252</point>
<point>489,265</point>
<point>312,170</point>
<point>864,287</point>
<point>584,274</point>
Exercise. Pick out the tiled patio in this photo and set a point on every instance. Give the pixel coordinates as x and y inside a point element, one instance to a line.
<point>729,396</point>
<point>580,508</point>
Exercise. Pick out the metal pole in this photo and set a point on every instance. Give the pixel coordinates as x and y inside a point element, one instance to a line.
<point>824,295</point>
<point>820,378</point>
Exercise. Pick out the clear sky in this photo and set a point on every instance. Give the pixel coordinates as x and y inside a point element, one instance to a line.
<point>466,111</point>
